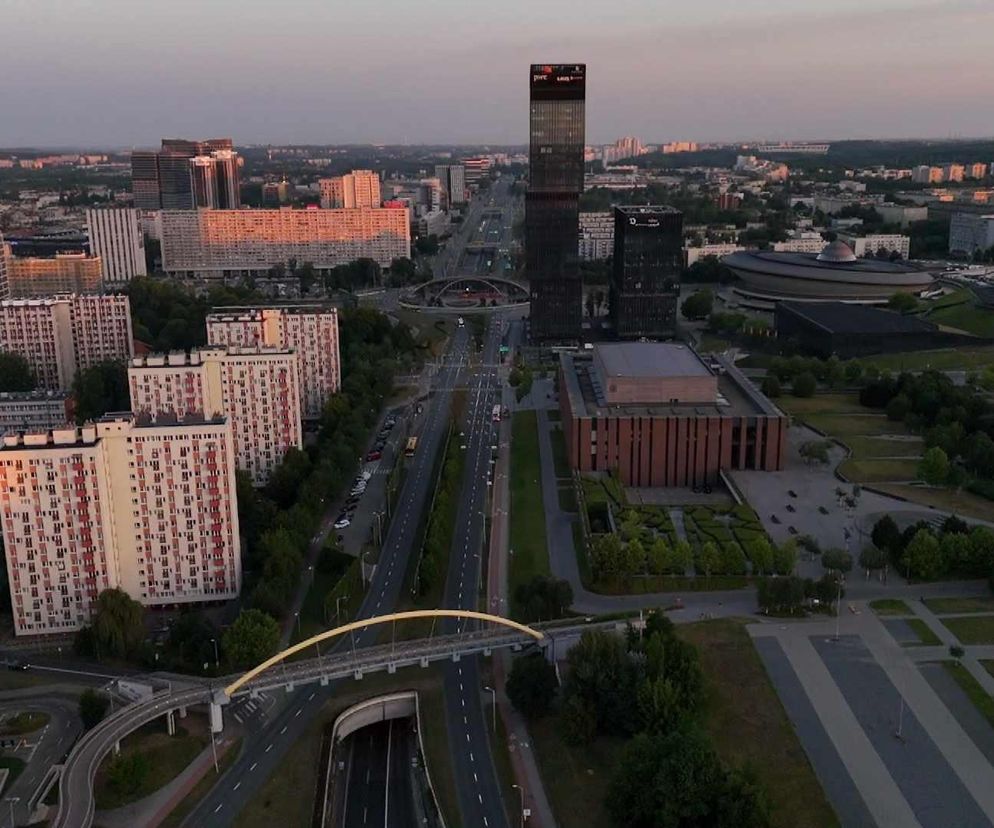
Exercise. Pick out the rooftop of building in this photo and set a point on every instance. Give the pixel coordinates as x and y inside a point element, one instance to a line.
<point>736,395</point>
<point>91,432</point>
<point>647,209</point>
<point>38,395</point>
<point>198,356</point>
<point>287,307</point>
<point>650,359</point>
<point>846,318</point>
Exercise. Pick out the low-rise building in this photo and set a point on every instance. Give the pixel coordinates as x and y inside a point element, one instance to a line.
<point>34,410</point>
<point>147,506</point>
<point>255,389</point>
<point>695,254</point>
<point>656,414</point>
<point>802,242</point>
<point>872,244</point>
<point>970,232</point>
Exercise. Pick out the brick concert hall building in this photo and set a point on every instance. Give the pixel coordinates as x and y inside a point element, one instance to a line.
<point>147,506</point>
<point>656,414</point>
<point>254,388</point>
<point>309,329</point>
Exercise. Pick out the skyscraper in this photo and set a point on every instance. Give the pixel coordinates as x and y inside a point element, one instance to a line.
<point>116,237</point>
<point>203,184</point>
<point>145,179</point>
<point>4,278</point>
<point>453,178</point>
<point>645,284</point>
<point>555,181</point>
<point>164,180</point>
<point>359,188</point>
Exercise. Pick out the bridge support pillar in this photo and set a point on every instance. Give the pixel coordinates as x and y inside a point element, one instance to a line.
<point>486,652</point>
<point>424,662</point>
<point>217,719</point>
<point>456,657</point>
<point>357,675</point>
<point>324,681</point>
<point>182,712</point>
<point>170,723</point>
<point>117,747</point>
<point>391,668</point>
<point>289,687</point>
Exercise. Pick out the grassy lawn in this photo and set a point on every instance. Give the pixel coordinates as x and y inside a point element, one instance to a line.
<point>821,404</point>
<point>947,359</point>
<point>312,612</point>
<point>977,630</point>
<point>15,767</point>
<point>576,778</point>
<point>752,727</point>
<point>866,448</point>
<point>847,425</point>
<point>966,317</point>
<point>528,542</point>
<point>890,606</point>
<point>559,455</point>
<point>924,633</point>
<point>224,761</point>
<point>948,606</point>
<point>949,500</point>
<point>22,723</point>
<point>16,680</point>
<point>980,697</point>
<point>168,756</point>
<point>879,471</point>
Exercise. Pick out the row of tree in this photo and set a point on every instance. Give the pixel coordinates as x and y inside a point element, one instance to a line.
<point>926,553</point>
<point>442,520</point>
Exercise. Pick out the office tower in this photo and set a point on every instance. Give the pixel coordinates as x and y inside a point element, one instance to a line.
<point>227,179</point>
<point>256,389</point>
<point>359,188</point>
<point>203,186</point>
<point>64,334</point>
<point>431,195</point>
<point>453,179</point>
<point>146,506</point>
<point>116,237</point>
<point>5,255</point>
<point>145,179</point>
<point>221,243</point>
<point>555,182</point>
<point>30,277</point>
<point>475,170</point>
<point>645,285</point>
<point>311,331</point>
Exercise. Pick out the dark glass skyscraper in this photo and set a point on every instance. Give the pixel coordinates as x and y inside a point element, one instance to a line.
<point>645,285</point>
<point>552,203</point>
<point>162,180</point>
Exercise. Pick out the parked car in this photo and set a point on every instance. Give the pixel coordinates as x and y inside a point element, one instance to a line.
<point>774,519</point>
<point>790,508</point>
<point>18,664</point>
<point>342,522</point>
<point>791,492</point>
<point>374,455</point>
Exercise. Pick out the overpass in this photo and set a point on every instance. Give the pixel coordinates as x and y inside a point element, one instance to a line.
<point>76,803</point>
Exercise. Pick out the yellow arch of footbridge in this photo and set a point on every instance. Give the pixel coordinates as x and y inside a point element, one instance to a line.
<point>371,622</point>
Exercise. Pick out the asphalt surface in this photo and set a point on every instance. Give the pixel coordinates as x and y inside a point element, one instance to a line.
<point>379,777</point>
<point>264,749</point>
<point>480,801</point>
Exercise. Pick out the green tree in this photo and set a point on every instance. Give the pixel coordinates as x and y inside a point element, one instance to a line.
<point>923,557</point>
<point>785,557</point>
<point>15,373</point>
<point>92,707</point>
<point>902,302</point>
<point>660,556</point>
<point>634,557</point>
<point>605,556</point>
<point>934,466</point>
<point>578,721</point>
<point>897,409</point>
<point>118,624</point>
<point>603,674</point>
<point>532,685</point>
<point>815,451</point>
<point>853,371</point>
<point>708,559</point>
<point>837,560</point>
<point>99,389</point>
<point>732,559</point>
<point>127,772</point>
<point>760,553</point>
<point>698,305</point>
<point>771,386</point>
<point>957,552</point>
<point>872,558</point>
<point>885,535</point>
<point>251,639</point>
<point>683,557</point>
<point>804,385</point>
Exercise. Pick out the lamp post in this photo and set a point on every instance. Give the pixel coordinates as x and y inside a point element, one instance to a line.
<point>217,658</point>
<point>522,792</point>
<point>297,616</point>
<point>338,601</point>
<point>493,695</point>
<point>838,608</point>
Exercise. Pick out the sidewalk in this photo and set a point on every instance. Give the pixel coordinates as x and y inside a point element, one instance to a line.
<point>973,653</point>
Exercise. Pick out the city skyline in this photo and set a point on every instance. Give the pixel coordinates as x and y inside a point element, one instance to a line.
<point>771,70</point>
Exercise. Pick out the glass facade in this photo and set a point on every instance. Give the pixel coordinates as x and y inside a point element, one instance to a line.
<point>555,181</point>
<point>645,285</point>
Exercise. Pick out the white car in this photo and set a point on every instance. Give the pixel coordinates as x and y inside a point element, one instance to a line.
<point>342,523</point>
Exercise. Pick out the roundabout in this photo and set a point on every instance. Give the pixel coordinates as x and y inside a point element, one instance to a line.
<point>467,293</point>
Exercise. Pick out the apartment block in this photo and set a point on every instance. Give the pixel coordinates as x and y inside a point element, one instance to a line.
<point>4,258</point>
<point>596,235</point>
<point>34,410</point>
<point>311,331</point>
<point>870,245</point>
<point>360,188</point>
<point>220,243</point>
<point>37,277</point>
<point>147,506</point>
<point>63,334</point>
<point>255,389</point>
<point>116,238</point>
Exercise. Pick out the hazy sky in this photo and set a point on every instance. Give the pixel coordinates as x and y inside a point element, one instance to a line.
<point>127,72</point>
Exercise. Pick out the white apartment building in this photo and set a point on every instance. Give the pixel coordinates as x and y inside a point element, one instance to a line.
<point>146,506</point>
<point>34,410</point>
<point>694,254</point>
<point>255,389</point>
<point>220,243</point>
<point>925,174</point>
<point>970,232</point>
<point>116,237</point>
<point>360,188</point>
<point>803,242</point>
<point>596,235</point>
<point>4,256</point>
<point>900,213</point>
<point>64,334</point>
<point>870,244</point>
<point>311,331</point>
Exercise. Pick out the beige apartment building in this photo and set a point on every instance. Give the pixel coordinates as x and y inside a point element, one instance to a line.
<point>223,243</point>
<point>31,278</point>
<point>311,331</point>
<point>255,389</point>
<point>61,335</point>
<point>147,506</point>
<point>360,188</point>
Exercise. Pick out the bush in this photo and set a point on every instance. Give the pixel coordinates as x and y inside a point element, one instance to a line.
<point>532,685</point>
<point>771,386</point>
<point>92,707</point>
<point>804,385</point>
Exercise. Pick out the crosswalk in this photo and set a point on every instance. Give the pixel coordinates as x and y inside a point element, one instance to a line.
<point>254,707</point>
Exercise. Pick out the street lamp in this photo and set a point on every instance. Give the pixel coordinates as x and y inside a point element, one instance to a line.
<point>217,659</point>
<point>522,792</point>
<point>493,694</point>
<point>297,616</point>
<point>337,606</point>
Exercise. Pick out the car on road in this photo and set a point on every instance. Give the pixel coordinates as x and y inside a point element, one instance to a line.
<point>343,521</point>
<point>791,492</point>
<point>373,455</point>
<point>18,664</point>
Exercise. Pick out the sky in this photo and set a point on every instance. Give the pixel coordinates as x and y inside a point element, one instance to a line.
<point>122,73</point>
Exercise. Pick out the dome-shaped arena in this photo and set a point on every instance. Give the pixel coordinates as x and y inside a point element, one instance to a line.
<point>834,274</point>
